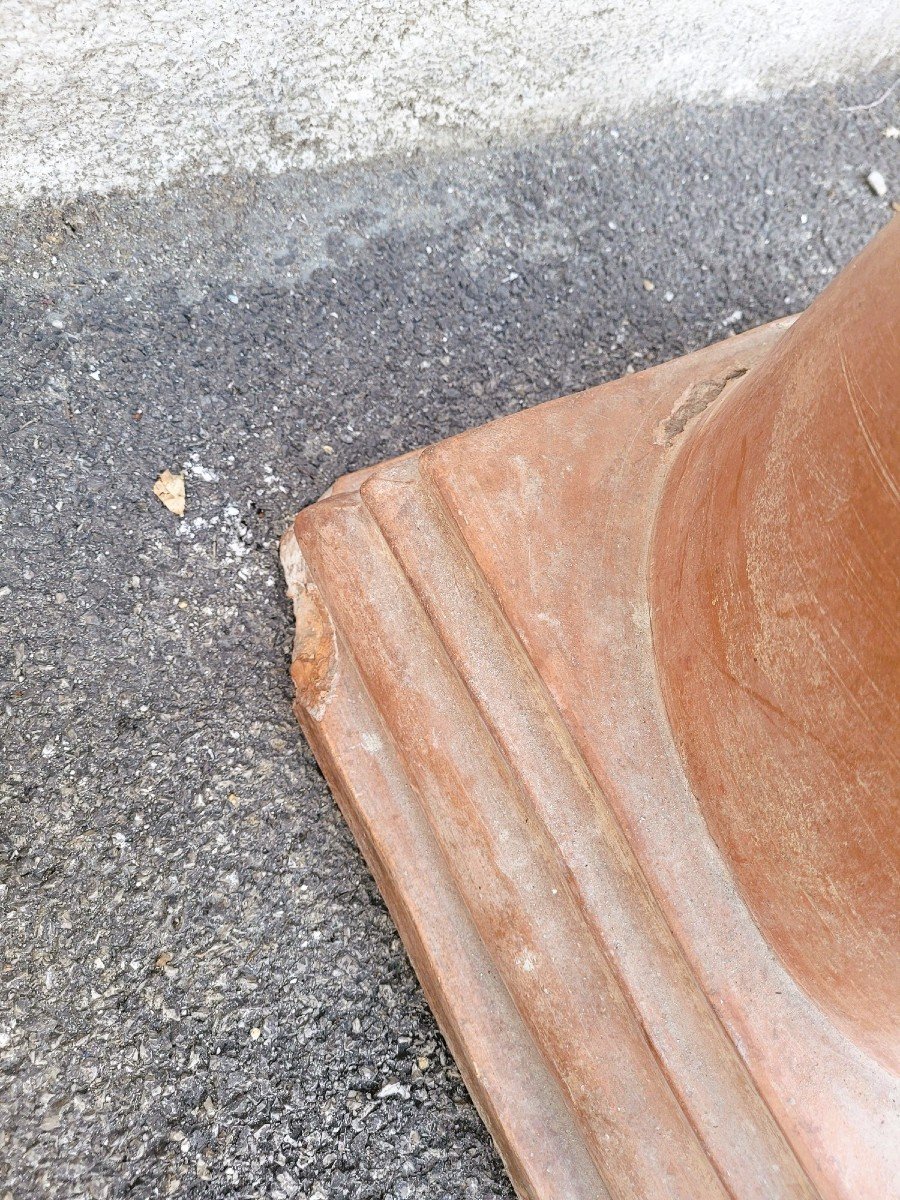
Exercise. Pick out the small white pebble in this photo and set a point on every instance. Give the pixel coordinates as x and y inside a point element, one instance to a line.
<point>393,1089</point>
<point>876,182</point>
<point>892,132</point>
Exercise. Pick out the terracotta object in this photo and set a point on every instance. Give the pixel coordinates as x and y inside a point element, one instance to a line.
<point>607,691</point>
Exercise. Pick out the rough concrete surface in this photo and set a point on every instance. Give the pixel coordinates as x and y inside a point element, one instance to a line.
<point>201,992</point>
<point>100,94</point>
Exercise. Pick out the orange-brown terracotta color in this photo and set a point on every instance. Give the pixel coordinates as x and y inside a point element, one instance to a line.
<point>615,762</point>
<point>775,603</point>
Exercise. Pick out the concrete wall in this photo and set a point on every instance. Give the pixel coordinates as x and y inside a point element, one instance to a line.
<point>104,94</point>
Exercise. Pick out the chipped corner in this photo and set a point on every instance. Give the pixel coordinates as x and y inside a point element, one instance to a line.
<point>314,656</point>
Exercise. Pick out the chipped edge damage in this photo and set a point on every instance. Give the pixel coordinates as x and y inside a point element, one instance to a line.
<point>697,398</point>
<point>314,667</point>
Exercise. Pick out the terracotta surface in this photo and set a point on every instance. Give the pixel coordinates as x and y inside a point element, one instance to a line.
<point>611,914</point>
<point>775,599</point>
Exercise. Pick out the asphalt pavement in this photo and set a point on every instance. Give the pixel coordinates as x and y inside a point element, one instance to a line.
<point>201,992</point>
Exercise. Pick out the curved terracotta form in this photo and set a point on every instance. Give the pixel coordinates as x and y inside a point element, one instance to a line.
<point>564,794</point>
<point>776,618</point>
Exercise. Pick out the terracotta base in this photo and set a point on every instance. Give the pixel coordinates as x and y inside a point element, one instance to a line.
<point>476,675</point>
